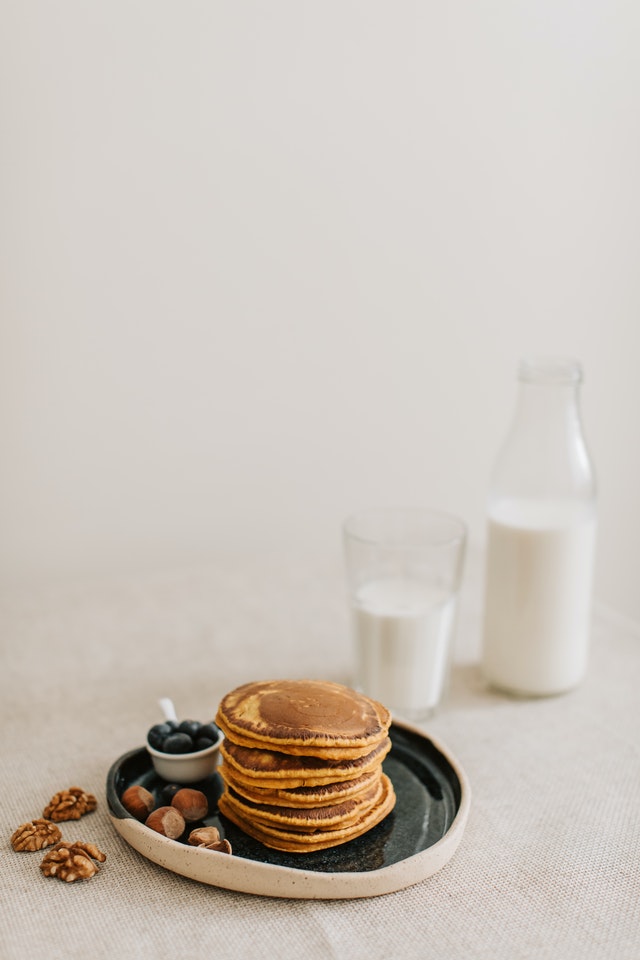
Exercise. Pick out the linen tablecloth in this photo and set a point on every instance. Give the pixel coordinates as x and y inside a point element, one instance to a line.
<point>549,865</point>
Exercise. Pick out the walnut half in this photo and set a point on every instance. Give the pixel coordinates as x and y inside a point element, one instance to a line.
<point>70,804</point>
<point>72,861</point>
<point>35,835</point>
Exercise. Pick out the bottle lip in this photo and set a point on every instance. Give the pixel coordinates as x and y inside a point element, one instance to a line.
<point>550,370</point>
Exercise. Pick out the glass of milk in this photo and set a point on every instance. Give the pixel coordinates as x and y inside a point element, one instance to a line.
<point>404,569</point>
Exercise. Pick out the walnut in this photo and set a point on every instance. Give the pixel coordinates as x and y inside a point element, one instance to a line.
<point>72,861</point>
<point>35,835</point>
<point>70,804</point>
<point>209,838</point>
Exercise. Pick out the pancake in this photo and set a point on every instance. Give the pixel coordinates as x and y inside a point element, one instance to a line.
<point>318,796</point>
<point>274,770</point>
<point>302,763</point>
<point>307,819</point>
<point>319,839</point>
<point>303,717</point>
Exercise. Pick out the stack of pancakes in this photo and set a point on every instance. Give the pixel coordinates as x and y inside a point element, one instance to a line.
<point>302,763</point>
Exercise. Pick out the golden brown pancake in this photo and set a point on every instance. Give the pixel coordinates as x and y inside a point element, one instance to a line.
<point>303,717</point>
<point>315,796</point>
<point>319,839</point>
<point>269,768</point>
<point>302,763</point>
<point>307,819</point>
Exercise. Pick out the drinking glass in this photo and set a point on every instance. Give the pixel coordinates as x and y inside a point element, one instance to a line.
<point>404,570</point>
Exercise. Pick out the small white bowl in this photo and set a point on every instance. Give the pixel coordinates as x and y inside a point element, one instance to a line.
<point>186,767</point>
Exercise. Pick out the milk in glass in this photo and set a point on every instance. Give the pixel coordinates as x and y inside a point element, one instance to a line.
<point>403,629</point>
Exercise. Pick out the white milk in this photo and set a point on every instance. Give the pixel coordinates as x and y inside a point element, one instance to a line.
<point>403,631</point>
<point>538,595</point>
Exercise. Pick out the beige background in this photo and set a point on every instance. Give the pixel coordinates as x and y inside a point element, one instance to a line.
<point>263,264</point>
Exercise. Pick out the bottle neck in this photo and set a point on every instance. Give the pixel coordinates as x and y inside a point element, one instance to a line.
<point>545,455</point>
<point>548,409</point>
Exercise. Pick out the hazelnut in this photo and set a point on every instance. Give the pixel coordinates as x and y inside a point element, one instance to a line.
<point>203,835</point>
<point>138,802</point>
<point>209,838</point>
<point>192,804</point>
<point>222,846</point>
<point>168,821</point>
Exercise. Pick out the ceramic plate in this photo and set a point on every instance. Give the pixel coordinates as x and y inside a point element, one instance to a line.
<point>413,842</point>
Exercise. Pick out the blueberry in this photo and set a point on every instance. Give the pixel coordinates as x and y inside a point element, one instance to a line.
<point>158,734</point>
<point>168,792</point>
<point>210,731</point>
<point>190,727</point>
<point>178,743</point>
<point>203,743</point>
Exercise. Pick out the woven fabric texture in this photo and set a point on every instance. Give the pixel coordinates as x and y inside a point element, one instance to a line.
<point>549,865</point>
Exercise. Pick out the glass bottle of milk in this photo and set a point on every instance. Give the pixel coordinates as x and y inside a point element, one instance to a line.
<point>541,539</point>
